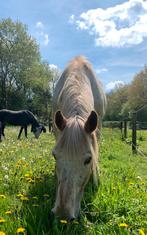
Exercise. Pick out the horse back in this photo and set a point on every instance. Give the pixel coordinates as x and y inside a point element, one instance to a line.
<point>81,68</point>
<point>20,118</point>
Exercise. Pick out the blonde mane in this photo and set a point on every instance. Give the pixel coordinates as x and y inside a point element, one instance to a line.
<point>72,137</point>
<point>77,93</point>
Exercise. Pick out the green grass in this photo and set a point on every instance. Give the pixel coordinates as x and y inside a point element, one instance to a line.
<point>141,140</point>
<point>27,189</point>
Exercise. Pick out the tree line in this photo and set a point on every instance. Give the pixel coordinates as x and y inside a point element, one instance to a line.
<point>125,99</point>
<point>25,80</point>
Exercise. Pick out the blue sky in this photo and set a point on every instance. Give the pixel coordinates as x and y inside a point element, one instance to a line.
<point>111,34</point>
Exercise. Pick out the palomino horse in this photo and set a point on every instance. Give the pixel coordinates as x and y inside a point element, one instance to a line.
<point>21,118</point>
<point>78,107</point>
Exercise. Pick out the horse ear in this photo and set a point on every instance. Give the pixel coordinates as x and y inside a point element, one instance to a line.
<point>91,123</point>
<point>60,120</point>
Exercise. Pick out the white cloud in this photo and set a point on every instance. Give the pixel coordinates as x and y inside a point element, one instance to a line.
<point>46,39</point>
<point>101,70</point>
<point>111,85</point>
<point>122,25</point>
<point>53,67</point>
<point>41,35</point>
<point>72,19</point>
<point>39,25</point>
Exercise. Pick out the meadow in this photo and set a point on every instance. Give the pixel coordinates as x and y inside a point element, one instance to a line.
<point>141,140</point>
<point>28,185</point>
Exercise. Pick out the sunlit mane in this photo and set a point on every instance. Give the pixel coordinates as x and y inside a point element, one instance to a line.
<point>78,107</point>
<point>73,138</point>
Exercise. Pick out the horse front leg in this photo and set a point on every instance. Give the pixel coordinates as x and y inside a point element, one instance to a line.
<point>21,129</point>
<point>3,127</point>
<point>25,131</point>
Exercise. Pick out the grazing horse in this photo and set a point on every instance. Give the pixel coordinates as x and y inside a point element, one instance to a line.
<point>78,107</point>
<point>21,118</point>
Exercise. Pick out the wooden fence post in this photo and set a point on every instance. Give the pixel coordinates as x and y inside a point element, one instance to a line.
<point>121,129</point>
<point>134,133</point>
<point>125,129</point>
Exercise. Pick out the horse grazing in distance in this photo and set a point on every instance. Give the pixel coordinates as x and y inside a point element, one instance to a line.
<point>78,107</point>
<point>21,118</point>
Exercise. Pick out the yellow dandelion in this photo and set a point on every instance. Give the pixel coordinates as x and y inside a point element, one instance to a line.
<point>8,212</point>
<point>27,175</point>
<point>63,221</point>
<point>75,222</point>
<point>19,195</point>
<point>2,220</point>
<point>123,225</point>
<point>141,232</point>
<point>46,195</point>
<point>20,230</point>
<point>24,198</point>
<point>130,183</point>
<point>2,233</point>
<point>35,198</point>
<point>35,205</point>
<point>2,196</point>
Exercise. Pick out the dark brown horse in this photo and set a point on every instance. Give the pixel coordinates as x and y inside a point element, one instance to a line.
<point>22,118</point>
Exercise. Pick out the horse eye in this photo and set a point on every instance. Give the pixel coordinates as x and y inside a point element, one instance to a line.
<point>87,161</point>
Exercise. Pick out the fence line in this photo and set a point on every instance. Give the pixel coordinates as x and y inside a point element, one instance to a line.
<point>134,132</point>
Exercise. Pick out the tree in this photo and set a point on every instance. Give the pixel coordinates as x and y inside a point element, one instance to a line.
<point>129,98</point>
<point>39,94</point>
<point>138,90</point>
<point>19,54</point>
<point>115,100</point>
<point>137,96</point>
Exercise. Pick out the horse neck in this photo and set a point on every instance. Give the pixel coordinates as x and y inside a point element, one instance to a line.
<point>77,98</point>
<point>33,120</point>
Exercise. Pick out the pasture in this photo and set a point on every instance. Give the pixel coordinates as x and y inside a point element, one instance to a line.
<point>141,140</point>
<point>28,185</point>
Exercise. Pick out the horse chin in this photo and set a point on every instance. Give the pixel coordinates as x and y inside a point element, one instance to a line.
<point>62,215</point>
<point>36,135</point>
<point>63,212</point>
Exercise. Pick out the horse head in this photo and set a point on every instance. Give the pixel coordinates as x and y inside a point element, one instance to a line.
<point>37,130</point>
<point>74,153</point>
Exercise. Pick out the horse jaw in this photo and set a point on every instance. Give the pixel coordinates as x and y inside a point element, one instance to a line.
<point>37,132</point>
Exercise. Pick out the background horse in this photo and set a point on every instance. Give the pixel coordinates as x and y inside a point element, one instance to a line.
<point>78,107</point>
<point>21,118</point>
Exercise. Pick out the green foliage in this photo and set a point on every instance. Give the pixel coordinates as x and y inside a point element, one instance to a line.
<point>111,124</point>
<point>116,99</point>
<point>23,76</point>
<point>19,53</point>
<point>129,98</point>
<point>28,186</point>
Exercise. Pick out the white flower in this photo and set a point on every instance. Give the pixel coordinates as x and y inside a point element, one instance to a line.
<point>5,168</point>
<point>6,177</point>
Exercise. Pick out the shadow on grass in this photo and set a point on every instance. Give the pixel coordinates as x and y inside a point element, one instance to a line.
<point>35,212</point>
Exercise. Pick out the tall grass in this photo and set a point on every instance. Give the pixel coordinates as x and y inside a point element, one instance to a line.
<point>28,185</point>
